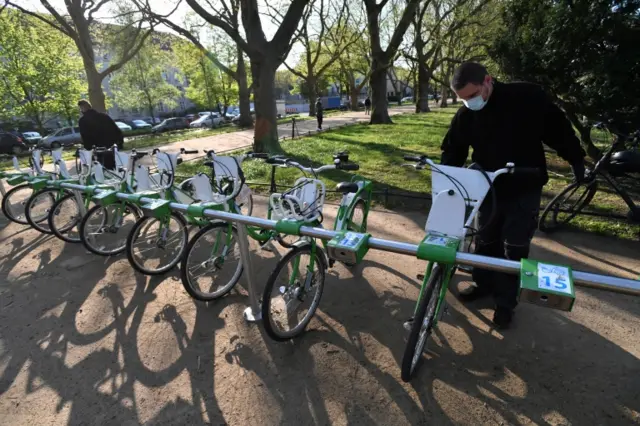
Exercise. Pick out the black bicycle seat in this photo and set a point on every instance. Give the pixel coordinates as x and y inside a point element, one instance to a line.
<point>347,187</point>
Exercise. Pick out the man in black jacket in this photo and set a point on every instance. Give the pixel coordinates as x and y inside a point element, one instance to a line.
<point>506,123</point>
<point>319,112</point>
<point>99,130</point>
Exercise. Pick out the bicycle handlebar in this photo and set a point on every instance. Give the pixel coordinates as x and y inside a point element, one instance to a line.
<point>526,171</point>
<point>416,158</point>
<point>347,166</point>
<point>262,155</point>
<point>188,151</point>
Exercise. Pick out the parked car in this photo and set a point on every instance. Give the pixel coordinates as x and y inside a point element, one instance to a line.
<point>12,144</point>
<point>123,126</point>
<point>140,124</point>
<point>65,136</point>
<point>211,120</point>
<point>150,120</point>
<point>407,99</point>
<point>31,138</point>
<point>190,117</point>
<point>174,123</point>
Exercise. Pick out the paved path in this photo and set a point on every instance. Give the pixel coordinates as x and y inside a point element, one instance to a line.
<point>86,340</point>
<point>244,138</point>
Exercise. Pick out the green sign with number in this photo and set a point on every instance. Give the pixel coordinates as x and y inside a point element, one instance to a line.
<point>546,284</point>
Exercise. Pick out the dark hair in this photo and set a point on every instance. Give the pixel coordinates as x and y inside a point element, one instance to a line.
<point>84,103</point>
<point>468,72</point>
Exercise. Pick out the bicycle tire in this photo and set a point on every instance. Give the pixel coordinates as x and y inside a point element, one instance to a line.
<point>267,319</point>
<point>415,345</point>
<point>85,234</point>
<point>590,189</point>
<point>185,275</point>
<point>63,233</point>
<point>148,221</point>
<point>7,206</point>
<point>36,222</point>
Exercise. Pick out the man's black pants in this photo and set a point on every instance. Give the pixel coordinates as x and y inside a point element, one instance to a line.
<point>319,117</point>
<point>508,236</point>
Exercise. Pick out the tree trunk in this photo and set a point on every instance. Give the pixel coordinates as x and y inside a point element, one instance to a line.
<point>378,83</point>
<point>311,84</point>
<point>355,94</point>
<point>422,101</point>
<point>96,95</point>
<point>454,98</point>
<point>444,93</point>
<point>243,92</point>
<point>266,129</point>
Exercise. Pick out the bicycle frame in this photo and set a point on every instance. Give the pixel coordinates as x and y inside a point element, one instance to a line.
<point>349,202</point>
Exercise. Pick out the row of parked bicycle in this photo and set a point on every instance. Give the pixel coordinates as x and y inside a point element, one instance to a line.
<point>127,210</point>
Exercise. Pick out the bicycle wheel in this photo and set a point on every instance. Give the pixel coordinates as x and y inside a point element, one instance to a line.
<point>567,205</point>
<point>155,246</point>
<point>65,217</point>
<point>245,206</point>
<point>297,281</point>
<point>422,323</point>
<point>14,202</point>
<point>212,264</point>
<point>356,221</point>
<point>38,207</point>
<point>104,230</point>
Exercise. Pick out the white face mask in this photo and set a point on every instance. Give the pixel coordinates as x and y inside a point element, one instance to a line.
<point>475,104</point>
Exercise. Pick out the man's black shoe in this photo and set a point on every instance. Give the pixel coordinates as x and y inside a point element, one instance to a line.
<point>502,317</point>
<point>474,293</point>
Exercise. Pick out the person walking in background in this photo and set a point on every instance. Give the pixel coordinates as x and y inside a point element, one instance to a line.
<point>367,106</point>
<point>319,113</point>
<point>99,130</point>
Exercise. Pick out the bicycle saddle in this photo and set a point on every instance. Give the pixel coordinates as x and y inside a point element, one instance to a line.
<point>347,187</point>
<point>629,161</point>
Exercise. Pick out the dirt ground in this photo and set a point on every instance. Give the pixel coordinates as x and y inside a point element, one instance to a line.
<point>85,340</point>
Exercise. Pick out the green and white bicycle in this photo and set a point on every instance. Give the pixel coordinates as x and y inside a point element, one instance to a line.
<point>294,288</point>
<point>157,241</point>
<point>458,194</point>
<point>212,264</point>
<point>14,199</point>
<point>106,226</point>
<point>67,212</point>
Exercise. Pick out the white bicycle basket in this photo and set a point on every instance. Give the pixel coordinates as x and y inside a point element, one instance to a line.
<point>453,189</point>
<point>302,202</point>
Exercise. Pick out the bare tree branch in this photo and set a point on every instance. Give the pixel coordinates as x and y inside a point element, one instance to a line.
<point>223,25</point>
<point>63,25</point>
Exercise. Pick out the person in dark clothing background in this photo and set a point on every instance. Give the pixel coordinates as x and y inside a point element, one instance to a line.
<point>319,113</point>
<point>506,123</point>
<point>367,106</point>
<point>99,130</point>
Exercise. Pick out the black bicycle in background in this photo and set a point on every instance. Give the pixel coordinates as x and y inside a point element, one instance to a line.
<point>621,160</point>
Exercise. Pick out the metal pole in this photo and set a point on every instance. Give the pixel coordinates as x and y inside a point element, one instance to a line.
<point>584,279</point>
<point>253,312</point>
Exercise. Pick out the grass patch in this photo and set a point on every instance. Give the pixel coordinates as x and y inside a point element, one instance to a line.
<point>379,151</point>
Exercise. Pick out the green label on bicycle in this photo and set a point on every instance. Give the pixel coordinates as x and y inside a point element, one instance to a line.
<point>547,285</point>
<point>438,248</point>
<point>348,247</point>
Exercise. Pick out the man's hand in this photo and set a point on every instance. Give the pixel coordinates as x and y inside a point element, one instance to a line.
<point>578,171</point>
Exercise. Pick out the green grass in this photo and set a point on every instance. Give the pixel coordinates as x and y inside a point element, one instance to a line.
<point>379,151</point>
